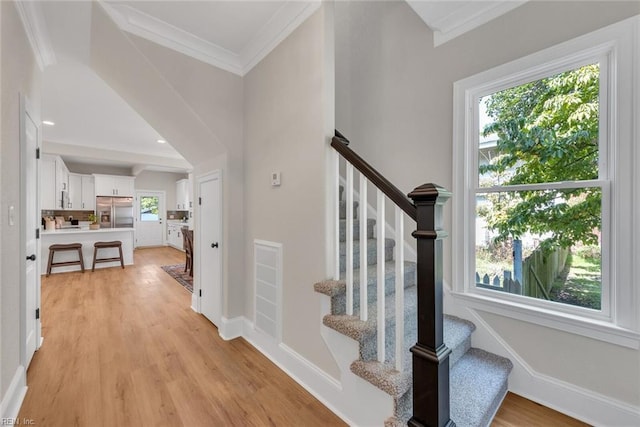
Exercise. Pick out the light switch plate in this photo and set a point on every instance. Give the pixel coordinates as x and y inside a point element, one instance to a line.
<point>275,179</point>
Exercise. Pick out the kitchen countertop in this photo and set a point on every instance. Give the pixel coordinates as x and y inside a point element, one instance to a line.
<point>83,230</point>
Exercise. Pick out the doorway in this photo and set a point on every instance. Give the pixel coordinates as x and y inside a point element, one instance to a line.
<point>208,243</point>
<point>150,206</point>
<point>30,229</point>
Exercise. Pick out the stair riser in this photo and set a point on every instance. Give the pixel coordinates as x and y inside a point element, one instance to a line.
<point>371,223</point>
<point>338,303</point>
<point>372,256</point>
<point>459,351</point>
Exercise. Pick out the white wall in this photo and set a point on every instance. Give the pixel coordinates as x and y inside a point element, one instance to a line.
<point>394,93</point>
<point>160,181</point>
<point>284,131</point>
<point>19,75</point>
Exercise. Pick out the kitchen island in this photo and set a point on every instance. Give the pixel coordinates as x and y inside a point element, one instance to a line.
<point>87,237</point>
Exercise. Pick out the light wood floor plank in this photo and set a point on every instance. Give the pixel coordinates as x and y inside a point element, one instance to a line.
<point>123,348</point>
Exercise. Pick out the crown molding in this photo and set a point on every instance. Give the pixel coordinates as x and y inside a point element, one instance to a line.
<point>461,17</point>
<point>35,26</point>
<point>288,17</point>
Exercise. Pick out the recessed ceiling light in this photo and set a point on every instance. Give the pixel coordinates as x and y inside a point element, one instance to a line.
<point>161,141</point>
<point>48,123</point>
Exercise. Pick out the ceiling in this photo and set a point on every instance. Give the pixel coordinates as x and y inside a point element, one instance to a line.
<point>231,35</point>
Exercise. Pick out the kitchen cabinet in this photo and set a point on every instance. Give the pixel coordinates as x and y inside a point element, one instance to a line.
<point>75,191</point>
<point>48,189</point>
<point>81,192</point>
<point>174,235</point>
<point>54,179</point>
<point>113,185</point>
<point>62,175</point>
<point>88,193</point>
<point>182,195</point>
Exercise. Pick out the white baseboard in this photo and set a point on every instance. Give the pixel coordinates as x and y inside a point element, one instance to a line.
<point>194,302</point>
<point>329,391</point>
<point>231,328</point>
<point>12,400</point>
<point>570,399</point>
<point>322,386</point>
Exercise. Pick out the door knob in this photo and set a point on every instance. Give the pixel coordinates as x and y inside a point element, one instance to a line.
<point>32,257</point>
<point>214,245</point>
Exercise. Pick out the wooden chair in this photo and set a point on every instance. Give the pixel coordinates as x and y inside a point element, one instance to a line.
<point>103,245</point>
<point>65,247</point>
<point>187,240</point>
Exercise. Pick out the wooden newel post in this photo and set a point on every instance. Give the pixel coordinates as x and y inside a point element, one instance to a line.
<point>430,354</point>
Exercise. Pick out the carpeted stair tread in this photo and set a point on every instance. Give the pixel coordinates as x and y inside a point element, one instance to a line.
<point>334,288</point>
<point>372,252</point>
<point>371,223</point>
<point>456,334</point>
<point>478,383</point>
<point>384,376</point>
<point>362,331</point>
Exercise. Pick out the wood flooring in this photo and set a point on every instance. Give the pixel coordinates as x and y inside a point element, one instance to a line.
<point>123,348</point>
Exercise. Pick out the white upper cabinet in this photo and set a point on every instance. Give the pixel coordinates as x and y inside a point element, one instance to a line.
<point>114,186</point>
<point>48,189</point>
<point>82,194</point>
<point>75,191</point>
<point>62,175</point>
<point>182,195</point>
<point>54,179</point>
<point>88,193</point>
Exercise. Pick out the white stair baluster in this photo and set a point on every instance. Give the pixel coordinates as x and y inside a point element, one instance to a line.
<point>363,253</point>
<point>336,182</point>
<point>380,222</point>
<point>349,239</point>
<point>399,293</point>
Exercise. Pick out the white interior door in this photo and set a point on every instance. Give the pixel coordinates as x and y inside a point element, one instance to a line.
<point>208,243</point>
<point>30,228</point>
<point>150,207</point>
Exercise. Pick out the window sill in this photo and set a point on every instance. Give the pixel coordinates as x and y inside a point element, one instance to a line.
<point>590,328</point>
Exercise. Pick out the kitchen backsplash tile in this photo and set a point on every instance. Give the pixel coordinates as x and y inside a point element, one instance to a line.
<point>79,215</point>
<point>178,215</point>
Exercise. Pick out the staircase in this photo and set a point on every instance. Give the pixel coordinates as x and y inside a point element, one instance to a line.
<point>478,379</point>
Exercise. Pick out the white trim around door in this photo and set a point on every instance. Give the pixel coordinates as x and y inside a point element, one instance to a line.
<point>208,291</point>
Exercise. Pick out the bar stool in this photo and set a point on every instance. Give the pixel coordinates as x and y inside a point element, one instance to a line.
<point>104,245</point>
<point>61,248</point>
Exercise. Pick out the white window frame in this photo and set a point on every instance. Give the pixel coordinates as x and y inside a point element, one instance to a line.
<point>617,50</point>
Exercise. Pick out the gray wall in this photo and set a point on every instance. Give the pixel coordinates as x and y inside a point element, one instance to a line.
<point>19,75</point>
<point>395,100</point>
<point>284,101</point>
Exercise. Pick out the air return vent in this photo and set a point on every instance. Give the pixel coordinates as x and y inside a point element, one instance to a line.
<point>268,287</point>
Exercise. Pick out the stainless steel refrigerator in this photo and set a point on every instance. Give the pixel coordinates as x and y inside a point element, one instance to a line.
<point>115,212</point>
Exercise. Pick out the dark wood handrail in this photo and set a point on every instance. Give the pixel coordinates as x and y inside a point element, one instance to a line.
<point>339,143</point>
<point>430,353</point>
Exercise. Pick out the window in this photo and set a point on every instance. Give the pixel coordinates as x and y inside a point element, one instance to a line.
<point>544,184</point>
<point>149,208</point>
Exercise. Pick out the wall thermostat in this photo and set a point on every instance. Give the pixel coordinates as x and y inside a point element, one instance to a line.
<point>275,179</point>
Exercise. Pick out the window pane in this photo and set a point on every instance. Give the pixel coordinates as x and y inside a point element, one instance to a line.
<point>543,131</point>
<point>541,244</point>
<point>149,210</point>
